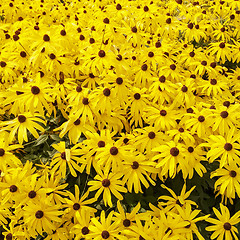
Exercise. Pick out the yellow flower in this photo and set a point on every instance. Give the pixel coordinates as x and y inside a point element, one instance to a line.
<point>104,228</point>
<point>172,202</point>
<point>21,124</point>
<point>40,217</point>
<point>65,157</point>
<point>224,226</point>
<point>228,183</point>
<point>108,183</point>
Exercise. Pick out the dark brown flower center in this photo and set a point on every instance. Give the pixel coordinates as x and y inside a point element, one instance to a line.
<point>224,114</point>
<point>118,7</point>
<point>23,54</point>
<point>101,144</point>
<point>52,56</point>
<point>174,151</point>
<point>173,66</point>
<point>213,81</point>
<point>2,152</point>
<point>78,88</point>
<point>228,146</point>
<point>76,206</point>
<point>106,92</point>
<point>189,110</point>
<point>9,236</point>
<point>3,64</point>
<point>85,101</point>
<point>134,29</point>
<point>204,63</point>
<point>39,214</point>
<point>213,64</point>
<point>150,54</point>
<point>101,53</point>
<point>184,88</point>
<point>135,165</point>
<point>22,118</point>
<point>13,188</point>
<point>77,122</point>
<point>105,234</point>
<point>46,38</point>
<point>144,67</point>
<point>63,32</point>
<point>126,222</point>
<point>233,173</point>
<point>151,135</point>
<point>190,25</point>
<point>163,113</point>
<point>226,104</point>
<point>63,155</point>
<point>32,194</point>
<point>181,130</point>
<point>190,149</point>
<point>222,45</point>
<point>35,90</point>
<point>192,54</point>
<point>227,226</point>
<point>137,96</point>
<point>85,230</point>
<point>119,80</point>
<point>201,118</point>
<point>105,182</point>
<point>113,150</point>
<point>162,79</point>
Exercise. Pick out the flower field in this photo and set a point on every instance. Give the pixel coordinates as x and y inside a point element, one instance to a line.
<point>119,119</point>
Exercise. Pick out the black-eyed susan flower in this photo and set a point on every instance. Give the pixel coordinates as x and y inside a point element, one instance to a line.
<point>137,170</point>
<point>41,217</point>
<point>65,157</point>
<point>78,203</point>
<point>104,228</point>
<point>21,124</point>
<point>108,184</point>
<point>172,202</point>
<point>228,182</point>
<point>224,225</point>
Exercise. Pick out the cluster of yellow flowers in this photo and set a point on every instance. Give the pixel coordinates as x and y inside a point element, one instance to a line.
<point>146,90</point>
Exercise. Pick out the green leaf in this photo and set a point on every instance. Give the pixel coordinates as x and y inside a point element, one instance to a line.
<point>41,140</point>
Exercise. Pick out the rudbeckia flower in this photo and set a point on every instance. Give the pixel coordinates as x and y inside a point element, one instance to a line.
<point>224,225</point>
<point>108,183</point>
<point>21,124</point>
<point>172,202</point>
<point>228,183</point>
<point>41,217</point>
<point>104,228</point>
<point>65,157</point>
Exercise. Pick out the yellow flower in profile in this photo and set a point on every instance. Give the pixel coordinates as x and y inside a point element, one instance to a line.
<point>224,225</point>
<point>65,157</point>
<point>190,216</point>
<point>74,127</point>
<point>21,124</point>
<point>108,184</point>
<point>172,202</point>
